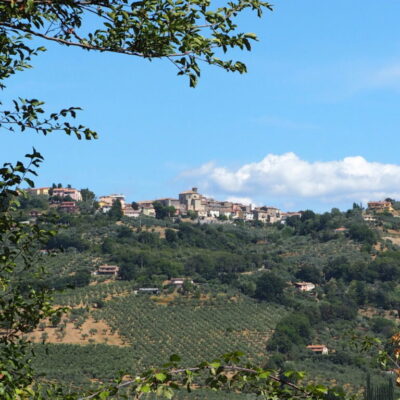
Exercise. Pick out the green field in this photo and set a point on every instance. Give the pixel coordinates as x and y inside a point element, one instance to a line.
<point>196,330</point>
<point>192,328</point>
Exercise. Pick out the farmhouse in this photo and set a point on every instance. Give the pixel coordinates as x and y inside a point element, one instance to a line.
<point>380,206</point>
<point>128,211</point>
<point>318,348</point>
<point>67,206</point>
<point>108,270</point>
<point>149,290</point>
<point>107,201</point>
<point>146,208</point>
<point>178,282</point>
<point>304,286</point>
<point>368,218</point>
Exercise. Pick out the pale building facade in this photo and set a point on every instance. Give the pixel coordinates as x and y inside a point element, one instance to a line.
<point>192,200</point>
<point>107,201</point>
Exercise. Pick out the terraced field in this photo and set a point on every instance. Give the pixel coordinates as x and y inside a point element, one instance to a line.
<point>193,329</point>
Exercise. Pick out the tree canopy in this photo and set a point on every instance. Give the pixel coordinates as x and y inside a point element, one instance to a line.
<point>185,32</point>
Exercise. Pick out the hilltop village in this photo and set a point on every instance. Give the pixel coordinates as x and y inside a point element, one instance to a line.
<point>190,204</point>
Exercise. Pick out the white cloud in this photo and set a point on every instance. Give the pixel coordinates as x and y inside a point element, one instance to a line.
<point>289,178</point>
<point>243,200</point>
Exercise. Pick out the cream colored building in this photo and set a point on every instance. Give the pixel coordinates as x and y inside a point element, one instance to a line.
<point>267,214</point>
<point>107,201</point>
<point>380,206</point>
<point>146,208</point>
<point>75,194</point>
<point>192,200</point>
<point>43,191</point>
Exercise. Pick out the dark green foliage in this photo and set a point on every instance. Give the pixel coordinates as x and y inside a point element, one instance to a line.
<point>291,333</point>
<point>383,326</point>
<point>107,246</point>
<point>34,202</point>
<point>66,240</point>
<point>171,236</point>
<point>124,232</point>
<point>88,205</point>
<point>55,320</point>
<point>332,311</point>
<point>270,287</point>
<point>309,273</point>
<point>21,306</point>
<point>87,196</point>
<point>362,233</point>
<point>115,212</point>
<point>162,211</point>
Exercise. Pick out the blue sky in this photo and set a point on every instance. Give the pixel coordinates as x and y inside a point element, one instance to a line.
<point>320,106</point>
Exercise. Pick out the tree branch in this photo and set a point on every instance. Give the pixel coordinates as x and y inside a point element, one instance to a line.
<point>88,46</point>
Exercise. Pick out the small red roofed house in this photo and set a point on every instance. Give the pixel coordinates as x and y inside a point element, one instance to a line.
<point>318,348</point>
<point>108,270</point>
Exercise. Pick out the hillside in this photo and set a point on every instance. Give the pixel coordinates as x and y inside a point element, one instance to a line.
<point>239,294</point>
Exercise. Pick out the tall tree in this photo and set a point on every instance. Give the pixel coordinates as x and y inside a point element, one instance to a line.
<point>163,211</point>
<point>116,210</point>
<point>88,196</point>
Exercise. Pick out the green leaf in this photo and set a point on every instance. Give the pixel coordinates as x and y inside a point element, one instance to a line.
<point>160,377</point>
<point>145,388</point>
<point>104,395</point>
